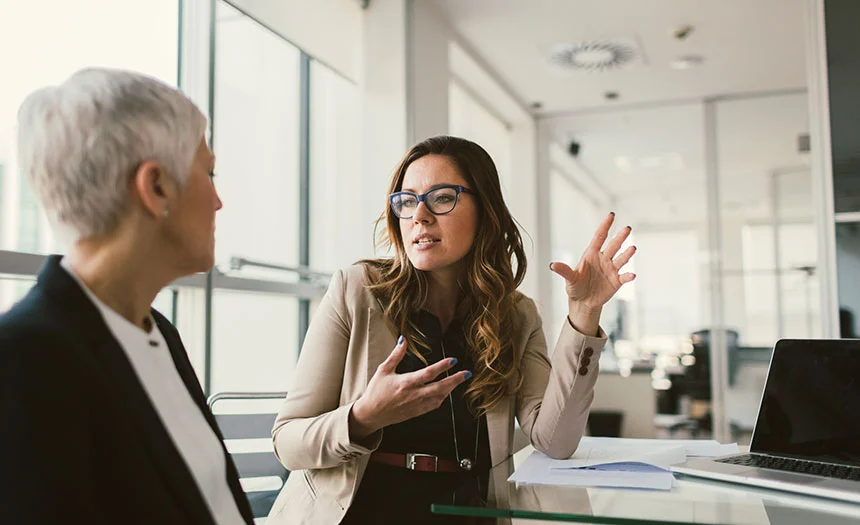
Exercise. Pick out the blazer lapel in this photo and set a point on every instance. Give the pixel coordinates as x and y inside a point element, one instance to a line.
<point>186,372</point>
<point>127,388</point>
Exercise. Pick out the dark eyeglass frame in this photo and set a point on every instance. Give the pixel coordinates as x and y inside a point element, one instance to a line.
<point>423,198</point>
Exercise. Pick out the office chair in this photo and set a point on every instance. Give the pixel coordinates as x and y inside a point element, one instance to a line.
<point>696,381</point>
<point>252,417</point>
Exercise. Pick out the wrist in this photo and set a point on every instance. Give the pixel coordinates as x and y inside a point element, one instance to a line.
<point>359,425</point>
<point>584,318</point>
<point>581,309</point>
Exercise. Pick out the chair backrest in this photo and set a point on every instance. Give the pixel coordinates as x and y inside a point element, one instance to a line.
<point>245,420</point>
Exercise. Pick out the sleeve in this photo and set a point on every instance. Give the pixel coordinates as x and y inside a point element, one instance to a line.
<point>556,395</point>
<point>44,438</point>
<point>312,429</point>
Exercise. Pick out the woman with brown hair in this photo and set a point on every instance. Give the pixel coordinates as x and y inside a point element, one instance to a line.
<point>376,435</point>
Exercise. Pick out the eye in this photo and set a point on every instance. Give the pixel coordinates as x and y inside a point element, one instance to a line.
<point>443,199</point>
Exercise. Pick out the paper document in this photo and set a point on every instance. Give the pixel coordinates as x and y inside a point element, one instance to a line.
<point>694,448</point>
<point>612,462</point>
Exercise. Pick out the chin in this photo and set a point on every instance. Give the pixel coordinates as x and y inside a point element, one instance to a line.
<point>427,264</point>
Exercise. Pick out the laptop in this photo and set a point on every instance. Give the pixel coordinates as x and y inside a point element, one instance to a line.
<point>807,434</point>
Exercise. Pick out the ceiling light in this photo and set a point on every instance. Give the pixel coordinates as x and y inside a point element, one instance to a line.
<point>686,62</point>
<point>594,55</point>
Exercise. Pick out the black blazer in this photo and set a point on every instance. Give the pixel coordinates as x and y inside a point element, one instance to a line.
<point>80,441</point>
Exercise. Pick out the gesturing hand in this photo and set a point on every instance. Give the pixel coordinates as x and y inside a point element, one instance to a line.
<point>596,277</point>
<point>391,398</point>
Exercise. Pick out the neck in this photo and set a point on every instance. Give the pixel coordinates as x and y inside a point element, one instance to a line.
<point>116,273</point>
<point>443,297</point>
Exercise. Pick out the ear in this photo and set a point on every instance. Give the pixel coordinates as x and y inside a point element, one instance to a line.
<point>153,188</point>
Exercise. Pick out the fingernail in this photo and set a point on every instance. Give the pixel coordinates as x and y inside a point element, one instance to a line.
<point>630,228</point>
<point>452,361</point>
<point>468,374</point>
<point>612,213</point>
<point>550,266</point>
<point>400,339</point>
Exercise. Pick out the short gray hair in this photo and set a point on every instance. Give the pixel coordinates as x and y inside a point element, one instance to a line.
<point>80,143</point>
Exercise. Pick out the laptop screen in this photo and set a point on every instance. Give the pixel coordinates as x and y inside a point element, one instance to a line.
<point>811,403</point>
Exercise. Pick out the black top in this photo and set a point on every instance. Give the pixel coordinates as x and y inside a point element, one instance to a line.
<point>80,441</point>
<point>403,495</point>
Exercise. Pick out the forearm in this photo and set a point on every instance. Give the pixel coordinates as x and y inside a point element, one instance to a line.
<point>557,395</point>
<point>323,441</point>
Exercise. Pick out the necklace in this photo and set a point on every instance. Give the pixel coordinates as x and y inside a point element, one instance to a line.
<point>465,463</point>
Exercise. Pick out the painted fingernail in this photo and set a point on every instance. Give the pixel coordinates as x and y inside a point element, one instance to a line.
<point>468,374</point>
<point>630,228</point>
<point>452,361</point>
<point>550,266</point>
<point>612,213</point>
<point>400,339</point>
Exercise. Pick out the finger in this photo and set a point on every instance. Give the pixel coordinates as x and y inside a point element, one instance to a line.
<point>624,258</point>
<point>396,355</point>
<point>602,232</point>
<point>445,386</point>
<point>626,277</point>
<point>431,372</point>
<point>616,242</point>
<point>563,270</point>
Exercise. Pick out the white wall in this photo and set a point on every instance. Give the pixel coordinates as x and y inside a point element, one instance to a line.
<point>429,71</point>
<point>384,109</point>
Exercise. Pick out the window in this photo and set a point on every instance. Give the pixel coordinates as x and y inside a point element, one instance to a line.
<point>256,142</point>
<point>57,46</point>
<point>335,171</point>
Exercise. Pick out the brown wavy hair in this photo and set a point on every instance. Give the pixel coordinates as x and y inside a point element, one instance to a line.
<point>494,268</point>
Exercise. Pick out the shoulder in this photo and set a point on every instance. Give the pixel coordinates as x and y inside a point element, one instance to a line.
<point>349,285</point>
<point>38,353</point>
<point>31,323</point>
<point>525,306</point>
<point>527,316</point>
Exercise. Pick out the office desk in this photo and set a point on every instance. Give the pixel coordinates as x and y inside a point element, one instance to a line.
<point>692,501</point>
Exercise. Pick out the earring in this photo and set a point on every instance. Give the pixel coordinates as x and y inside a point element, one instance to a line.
<point>165,213</point>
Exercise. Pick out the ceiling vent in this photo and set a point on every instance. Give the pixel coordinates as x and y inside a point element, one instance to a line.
<point>594,55</point>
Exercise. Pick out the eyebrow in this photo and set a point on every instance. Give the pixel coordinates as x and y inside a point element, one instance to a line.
<point>410,190</point>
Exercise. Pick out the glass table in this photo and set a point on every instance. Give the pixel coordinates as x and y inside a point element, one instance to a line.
<point>691,501</point>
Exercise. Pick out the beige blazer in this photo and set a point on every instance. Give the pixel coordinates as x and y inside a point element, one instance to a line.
<point>347,339</point>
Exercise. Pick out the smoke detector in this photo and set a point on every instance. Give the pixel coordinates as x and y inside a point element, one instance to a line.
<point>594,55</point>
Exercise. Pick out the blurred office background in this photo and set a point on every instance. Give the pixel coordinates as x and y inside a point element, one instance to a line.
<point>723,132</point>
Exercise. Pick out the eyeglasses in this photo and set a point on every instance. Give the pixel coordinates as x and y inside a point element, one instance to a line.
<point>439,201</point>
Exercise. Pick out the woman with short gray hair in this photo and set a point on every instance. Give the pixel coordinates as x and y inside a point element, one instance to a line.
<point>104,419</point>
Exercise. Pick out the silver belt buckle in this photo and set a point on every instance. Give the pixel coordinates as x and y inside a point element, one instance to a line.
<point>410,460</point>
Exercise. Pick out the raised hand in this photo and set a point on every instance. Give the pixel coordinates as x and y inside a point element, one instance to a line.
<point>596,278</point>
<point>391,398</point>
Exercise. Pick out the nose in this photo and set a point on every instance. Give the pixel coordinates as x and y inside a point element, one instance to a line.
<point>422,214</point>
<point>218,203</point>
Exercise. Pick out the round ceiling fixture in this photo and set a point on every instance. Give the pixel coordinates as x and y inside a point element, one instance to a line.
<point>592,55</point>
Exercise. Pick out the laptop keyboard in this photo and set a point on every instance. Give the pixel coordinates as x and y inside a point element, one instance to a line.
<point>795,465</point>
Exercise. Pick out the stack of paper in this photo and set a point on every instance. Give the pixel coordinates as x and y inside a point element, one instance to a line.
<point>612,462</point>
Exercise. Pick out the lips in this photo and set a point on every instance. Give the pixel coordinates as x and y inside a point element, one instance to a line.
<point>424,239</point>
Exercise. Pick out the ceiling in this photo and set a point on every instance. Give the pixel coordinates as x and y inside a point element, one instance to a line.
<point>646,148</point>
<point>747,46</point>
